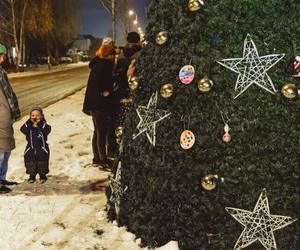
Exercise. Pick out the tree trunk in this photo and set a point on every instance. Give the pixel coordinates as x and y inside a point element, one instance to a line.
<point>14,23</point>
<point>20,52</point>
<point>113,15</point>
<point>18,43</point>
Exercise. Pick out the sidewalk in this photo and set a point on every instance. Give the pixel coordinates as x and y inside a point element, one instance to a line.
<point>43,69</point>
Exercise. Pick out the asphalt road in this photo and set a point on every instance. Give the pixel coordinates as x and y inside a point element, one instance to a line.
<point>43,90</point>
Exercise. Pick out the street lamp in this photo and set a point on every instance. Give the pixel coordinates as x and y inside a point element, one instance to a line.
<point>131,13</point>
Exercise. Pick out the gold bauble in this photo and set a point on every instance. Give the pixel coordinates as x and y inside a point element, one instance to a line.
<point>161,37</point>
<point>126,101</point>
<point>289,90</point>
<point>133,83</point>
<point>209,182</point>
<point>205,84</point>
<point>119,131</point>
<point>166,90</point>
<point>118,140</point>
<point>195,5</point>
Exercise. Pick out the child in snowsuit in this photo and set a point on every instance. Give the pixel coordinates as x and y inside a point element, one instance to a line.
<point>36,155</point>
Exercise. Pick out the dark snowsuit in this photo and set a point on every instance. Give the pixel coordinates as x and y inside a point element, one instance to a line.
<point>36,154</point>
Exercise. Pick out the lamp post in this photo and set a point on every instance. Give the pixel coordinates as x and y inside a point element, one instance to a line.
<point>135,22</point>
<point>132,13</point>
<point>113,11</point>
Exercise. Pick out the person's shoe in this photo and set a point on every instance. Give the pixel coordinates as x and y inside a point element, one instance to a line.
<point>8,183</point>
<point>31,179</point>
<point>43,178</point>
<point>111,156</point>
<point>4,190</point>
<point>105,164</point>
<point>96,163</point>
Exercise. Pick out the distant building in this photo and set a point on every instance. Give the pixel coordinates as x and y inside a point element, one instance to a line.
<point>85,45</point>
<point>82,43</point>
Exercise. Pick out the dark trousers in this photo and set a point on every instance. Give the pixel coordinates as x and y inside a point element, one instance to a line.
<point>37,167</point>
<point>104,138</point>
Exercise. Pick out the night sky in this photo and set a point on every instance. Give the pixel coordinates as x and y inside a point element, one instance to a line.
<point>96,21</point>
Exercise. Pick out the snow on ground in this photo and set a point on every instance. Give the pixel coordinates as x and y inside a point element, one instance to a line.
<point>68,211</point>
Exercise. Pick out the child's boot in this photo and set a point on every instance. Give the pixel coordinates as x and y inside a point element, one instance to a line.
<point>31,179</point>
<point>43,178</point>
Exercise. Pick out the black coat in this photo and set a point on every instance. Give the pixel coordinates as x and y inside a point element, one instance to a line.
<point>130,52</point>
<point>100,79</point>
<point>121,77</point>
<point>37,148</point>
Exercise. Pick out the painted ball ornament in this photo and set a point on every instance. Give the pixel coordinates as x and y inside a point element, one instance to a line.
<point>226,138</point>
<point>187,139</point>
<point>187,74</point>
<point>289,90</point>
<point>161,37</point>
<point>167,90</point>
<point>205,84</point>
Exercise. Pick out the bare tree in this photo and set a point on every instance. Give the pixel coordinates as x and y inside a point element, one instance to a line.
<point>118,11</point>
<point>65,14</point>
<point>5,18</point>
<point>106,4</point>
<point>13,23</point>
<point>110,7</point>
<point>52,23</point>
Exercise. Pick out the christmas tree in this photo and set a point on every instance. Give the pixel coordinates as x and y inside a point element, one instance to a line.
<point>237,165</point>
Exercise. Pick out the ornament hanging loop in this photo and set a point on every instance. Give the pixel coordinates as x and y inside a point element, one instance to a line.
<point>186,119</point>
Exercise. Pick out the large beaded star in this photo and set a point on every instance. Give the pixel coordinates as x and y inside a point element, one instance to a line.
<point>252,68</point>
<point>117,189</point>
<point>149,117</point>
<point>259,224</point>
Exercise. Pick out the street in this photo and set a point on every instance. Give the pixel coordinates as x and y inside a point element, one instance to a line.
<point>43,90</point>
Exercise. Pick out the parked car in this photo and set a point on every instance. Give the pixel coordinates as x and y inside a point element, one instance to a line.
<point>42,60</point>
<point>65,59</point>
<point>22,67</point>
<point>86,58</point>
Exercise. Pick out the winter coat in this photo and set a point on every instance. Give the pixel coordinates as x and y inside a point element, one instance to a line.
<point>37,148</point>
<point>121,77</point>
<point>9,111</point>
<point>100,80</point>
<point>7,141</point>
<point>130,52</point>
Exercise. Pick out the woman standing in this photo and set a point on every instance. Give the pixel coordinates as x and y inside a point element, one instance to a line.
<point>98,103</point>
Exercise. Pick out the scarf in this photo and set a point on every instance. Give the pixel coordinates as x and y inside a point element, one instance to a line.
<point>10,95</point>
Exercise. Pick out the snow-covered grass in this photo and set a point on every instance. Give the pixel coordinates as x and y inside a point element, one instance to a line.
<point>68,211</point>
